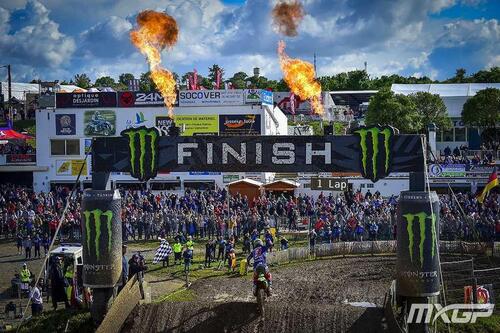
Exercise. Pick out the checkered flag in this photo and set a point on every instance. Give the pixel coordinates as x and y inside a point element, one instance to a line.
<point>162,252</point>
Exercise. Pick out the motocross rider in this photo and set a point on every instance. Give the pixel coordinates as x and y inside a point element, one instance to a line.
<point>96,119</point>
<point>258,255</point>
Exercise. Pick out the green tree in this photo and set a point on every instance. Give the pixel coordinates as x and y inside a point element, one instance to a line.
<point>146,82</point>
<point>431,109</point>
<point>239,80</point>
<point>483,109</point>
<point>82,81</point>
<point>125,77</point>
<point>105,81</point>
<point>399,111</point>
<point>487,76</point>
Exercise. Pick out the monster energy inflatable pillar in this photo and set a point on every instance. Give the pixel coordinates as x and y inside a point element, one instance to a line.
<point>102,246</point>
<point>417,265</point>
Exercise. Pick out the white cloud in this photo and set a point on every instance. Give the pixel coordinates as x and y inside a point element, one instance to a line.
<point>38,43</point>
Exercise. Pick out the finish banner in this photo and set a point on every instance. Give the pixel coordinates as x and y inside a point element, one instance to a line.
<point>372,152</point>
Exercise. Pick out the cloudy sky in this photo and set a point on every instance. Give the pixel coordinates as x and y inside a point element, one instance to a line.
<point>54,39</point>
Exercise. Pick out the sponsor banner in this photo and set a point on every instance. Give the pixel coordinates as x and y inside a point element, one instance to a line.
<point>88,146</point>
<point>128,99</point>
<point>417,264</point>
<point>99,123</point>
<point>198,124</point>
<point>480,169</point>
<point>163,124</point>
<point>76,165</point>
<point>204,173</point>
<point>243,153</point>
<point>86,100</point>
<point>254,175</point>
<point>230,178</point>
<point>241,124</point>
<point>63,168</point>
<point>71,167</point>
<point>449,170</point>
<point>484,294</point>
<point>139,120</point>
<point>211,97</point>
<point>21,158</point>
<point>252,96</point>
<point>266,97</point>
<point>328,184</point>
<point>65,124</point>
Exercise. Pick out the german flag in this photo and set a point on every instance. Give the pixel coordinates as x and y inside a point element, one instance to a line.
<point>492,182</point>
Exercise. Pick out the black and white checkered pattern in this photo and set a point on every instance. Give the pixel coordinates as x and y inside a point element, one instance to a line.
<point>162,252</point>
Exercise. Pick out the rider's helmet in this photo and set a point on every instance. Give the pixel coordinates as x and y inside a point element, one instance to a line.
<point>257,243</point>
<point>97,114</point>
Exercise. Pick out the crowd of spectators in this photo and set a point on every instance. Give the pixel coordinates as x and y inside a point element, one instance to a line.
<point>462,155</point>
<point>33,217</point>
<point>10,148</point>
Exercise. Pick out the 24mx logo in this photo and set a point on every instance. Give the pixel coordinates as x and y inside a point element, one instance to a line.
<point>143,151</point>
<point>96,216</point>
<point>145,98</point>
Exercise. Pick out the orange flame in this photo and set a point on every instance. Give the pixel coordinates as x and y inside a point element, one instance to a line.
<point>154,32</point>
<point>287,16</point>
<point>300,77</point>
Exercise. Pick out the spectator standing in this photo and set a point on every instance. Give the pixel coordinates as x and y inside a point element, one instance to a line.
<point>27,244</point>
<point>36,243</point>
<point>57,284</point>
<point>177,252</point>
<point>36,300</point>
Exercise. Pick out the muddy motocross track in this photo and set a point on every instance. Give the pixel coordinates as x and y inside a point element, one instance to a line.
<point>307,297</point>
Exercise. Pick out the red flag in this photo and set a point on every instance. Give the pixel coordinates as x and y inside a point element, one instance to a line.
<point>217,79</point>
<point>292,103</point>
<point>195,79</point>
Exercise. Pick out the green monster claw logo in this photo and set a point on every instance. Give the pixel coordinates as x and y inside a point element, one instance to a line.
<point>143,150</point>
<point>420,218</point>
<point>375,134</point>
<point>97,214</point>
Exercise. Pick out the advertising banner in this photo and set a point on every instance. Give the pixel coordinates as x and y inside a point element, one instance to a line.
<point>252,96</point>
<point>88,146</point>
<point>65,124</point>
<point>328,184</point>
<point>204,173</point>
<point>198,124</point>
<point>283,101</point>
<point>163,124</point>
<point>448,170</point>
<point>211,97</point>
<point>417,265</point>
<point>99,123</point>
<point>484,294</point>
<point>76,165</point>
<point>86,100</point>
<point>21,158</point>
<point>63,168</point>
<point>240,124</point>
<point>101,238</point>
<point>266,97</point>
<point>128,99</point>
<point>230,178</point>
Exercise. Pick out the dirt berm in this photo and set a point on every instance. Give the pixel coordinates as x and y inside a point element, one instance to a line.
<point>320,296</point>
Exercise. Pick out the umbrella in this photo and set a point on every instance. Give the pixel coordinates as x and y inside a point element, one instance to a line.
<point>10,134</point>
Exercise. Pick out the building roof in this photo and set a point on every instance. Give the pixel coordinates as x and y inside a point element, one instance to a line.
<point>444,89</point>
<point>19,89</point>
<point>352,98</point>
<point>283,180</point>
<point>247,181</point>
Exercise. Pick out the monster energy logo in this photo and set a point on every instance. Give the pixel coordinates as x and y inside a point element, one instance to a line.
<point>366,162</point>
<point>143,149</point>
<point>420,218</point>
<point>97,214</point>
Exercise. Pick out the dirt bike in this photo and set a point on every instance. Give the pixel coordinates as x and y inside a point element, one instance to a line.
<point>262,287</point>
<point>99,127</point>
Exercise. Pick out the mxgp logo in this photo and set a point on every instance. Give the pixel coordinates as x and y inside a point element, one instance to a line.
<point>462,313</point>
